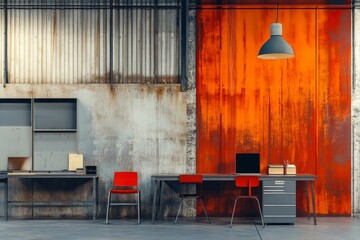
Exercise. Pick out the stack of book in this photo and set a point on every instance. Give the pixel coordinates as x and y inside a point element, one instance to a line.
<point>290,169</point>
<point>275,169</point>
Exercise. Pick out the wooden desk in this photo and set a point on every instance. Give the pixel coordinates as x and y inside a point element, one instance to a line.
<point>158,179</point>
<point>55,175</point>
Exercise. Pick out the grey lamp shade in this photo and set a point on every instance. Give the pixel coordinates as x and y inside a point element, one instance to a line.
<point>276,47</point>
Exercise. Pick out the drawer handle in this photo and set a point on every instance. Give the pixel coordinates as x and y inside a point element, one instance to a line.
<point>278,193</point>
<point>279,216</point>
<point>279,205</point>
<point>274,190</point>
<point>279,182</point>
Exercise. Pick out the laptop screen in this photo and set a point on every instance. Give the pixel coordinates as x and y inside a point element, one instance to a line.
<point>248,163</point>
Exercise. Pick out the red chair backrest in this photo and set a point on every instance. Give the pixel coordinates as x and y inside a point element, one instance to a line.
<point>125,179</point>
<point>190,178</point>
<point>247,181</point>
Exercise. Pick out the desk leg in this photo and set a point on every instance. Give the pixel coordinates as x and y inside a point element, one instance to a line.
<point>6,199</point>
<point>160,201</point>
<point>154,201</point>
<point>307,198</point>
<point>94,191</point>
<point>313,201</point>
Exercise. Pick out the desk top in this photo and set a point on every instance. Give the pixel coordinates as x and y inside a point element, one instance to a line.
<point>49,175</point>
<point>231,177</point>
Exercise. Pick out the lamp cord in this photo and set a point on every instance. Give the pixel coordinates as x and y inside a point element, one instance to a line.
<point>277,9</point>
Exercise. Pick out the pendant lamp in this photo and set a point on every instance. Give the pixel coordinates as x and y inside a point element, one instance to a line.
<point>276,47</point>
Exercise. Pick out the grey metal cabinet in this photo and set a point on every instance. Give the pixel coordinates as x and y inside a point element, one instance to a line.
<point>42,129</point>
<point>55,127</point>
<point>279,200</point>
<point>55,115</point>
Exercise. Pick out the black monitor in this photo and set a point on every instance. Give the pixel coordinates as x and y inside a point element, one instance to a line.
<point>248,163</point>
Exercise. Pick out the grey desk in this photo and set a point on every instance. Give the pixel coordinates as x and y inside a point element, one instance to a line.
<point>158,179</point>
<point>56,175</point>
<point>4,179</point>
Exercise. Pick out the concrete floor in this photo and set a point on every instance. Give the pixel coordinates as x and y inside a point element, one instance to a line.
<point>327,228</point>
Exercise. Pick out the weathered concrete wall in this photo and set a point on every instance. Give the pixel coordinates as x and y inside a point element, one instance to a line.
<point>121,128</point>
<point>356,111</point>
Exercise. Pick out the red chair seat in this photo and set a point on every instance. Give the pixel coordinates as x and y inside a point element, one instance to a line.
<point>124,191</point>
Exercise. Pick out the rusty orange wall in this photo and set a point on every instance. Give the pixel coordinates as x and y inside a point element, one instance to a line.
<point>296,109</point>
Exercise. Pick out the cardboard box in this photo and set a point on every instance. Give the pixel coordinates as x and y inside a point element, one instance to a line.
<point>275,169</point>
<point>290,169</point>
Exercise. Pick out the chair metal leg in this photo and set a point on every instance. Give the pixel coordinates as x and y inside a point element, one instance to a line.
<point>202,203</point>
<point>177,215</point>
<point>108,208</point>
<point>262,219</point>
<point>138,207</point>
<point>232,216</point>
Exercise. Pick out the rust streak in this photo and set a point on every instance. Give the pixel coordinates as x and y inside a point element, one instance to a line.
<point>278,108</point>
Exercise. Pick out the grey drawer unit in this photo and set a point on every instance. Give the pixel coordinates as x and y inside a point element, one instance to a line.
<point>279,201</point>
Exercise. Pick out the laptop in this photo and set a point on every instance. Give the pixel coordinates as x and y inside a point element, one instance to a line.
<point>19,164</point>
<point>247,163</point>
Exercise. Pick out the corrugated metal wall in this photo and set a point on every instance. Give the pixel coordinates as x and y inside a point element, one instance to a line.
<point>68,42</point>
<point>58,46</point>
<point>149,40</point>
<point>296,109</point>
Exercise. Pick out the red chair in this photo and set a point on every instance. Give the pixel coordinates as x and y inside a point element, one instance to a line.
<point>124,183</point>
<point>249,182</point>
<point>191,179</point>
